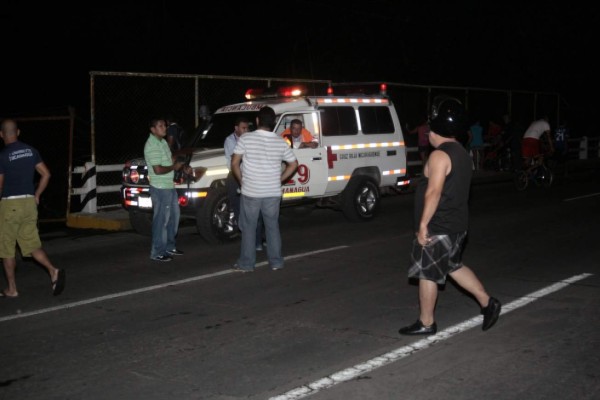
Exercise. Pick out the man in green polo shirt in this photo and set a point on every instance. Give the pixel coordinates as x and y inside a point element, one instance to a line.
<point>161,167</point>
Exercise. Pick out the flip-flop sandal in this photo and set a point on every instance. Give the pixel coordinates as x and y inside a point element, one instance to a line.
<point>4,295</point>
<point>59,284</point>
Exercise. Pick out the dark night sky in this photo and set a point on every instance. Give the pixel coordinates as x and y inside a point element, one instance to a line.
<point>49,49</point>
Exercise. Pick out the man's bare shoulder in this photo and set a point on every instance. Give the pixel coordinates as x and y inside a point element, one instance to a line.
<point>439,157</point>
<point>438,161</point>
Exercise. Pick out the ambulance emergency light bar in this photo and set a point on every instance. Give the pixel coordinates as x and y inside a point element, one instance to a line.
<point>357,89</point>
<point>283,91</point>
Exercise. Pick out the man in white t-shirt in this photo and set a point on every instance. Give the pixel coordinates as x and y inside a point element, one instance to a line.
<point>261,177</point>
<point>531,144</point>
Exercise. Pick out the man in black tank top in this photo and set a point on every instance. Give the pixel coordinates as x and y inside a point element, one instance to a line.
<point>441,220</point>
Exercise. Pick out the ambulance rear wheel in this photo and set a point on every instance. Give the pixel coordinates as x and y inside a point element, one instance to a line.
<point>360,200</point>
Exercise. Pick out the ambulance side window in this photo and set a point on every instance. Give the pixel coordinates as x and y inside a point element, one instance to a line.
<point>287,119</point>
<point>375,120</point>
<point>338,121</point>
<point>284,123</point>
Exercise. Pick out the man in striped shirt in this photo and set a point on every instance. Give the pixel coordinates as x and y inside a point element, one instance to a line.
<point>261,176</point>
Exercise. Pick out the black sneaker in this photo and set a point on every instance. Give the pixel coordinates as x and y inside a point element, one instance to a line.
<point>175,252</point>
<point>491,313</point>
<point>163,258</point>
<point>237,268</point>
<point>419,329</point>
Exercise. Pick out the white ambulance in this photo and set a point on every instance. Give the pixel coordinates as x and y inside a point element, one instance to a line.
<point>360,155</point>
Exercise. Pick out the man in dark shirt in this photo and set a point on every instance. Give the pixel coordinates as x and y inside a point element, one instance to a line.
<point>18,208</point>
<point>174,134</point>
<point>441,220</point>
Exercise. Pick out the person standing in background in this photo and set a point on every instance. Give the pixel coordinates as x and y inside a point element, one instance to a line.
<point>261,176</point>
<point>18,208</point>
<point>475,143</point>
<point>174,134</point>
<point>165,206</point>
<point>422,130</point>
<point>241,126</point>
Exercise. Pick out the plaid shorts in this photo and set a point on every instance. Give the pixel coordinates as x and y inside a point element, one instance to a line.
<point>436,260</point>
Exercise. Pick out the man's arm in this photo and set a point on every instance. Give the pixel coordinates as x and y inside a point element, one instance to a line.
<point>308,140</point>
<point>288,171</point>
<point>155,158</point>
<point>309,145</point>
<point>437,168</point>
<point>229,146</point>
<point>236,161</point>
<point>161,169</point>
<point>44,172</point>
<point>1,184</point>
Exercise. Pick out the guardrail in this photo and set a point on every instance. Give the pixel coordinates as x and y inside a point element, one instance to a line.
<point>89,190</point>
<point>585,150</point>
<point>579,148</point>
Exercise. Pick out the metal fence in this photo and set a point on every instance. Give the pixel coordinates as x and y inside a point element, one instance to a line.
<point>413,103</point>
<point>121,103</point>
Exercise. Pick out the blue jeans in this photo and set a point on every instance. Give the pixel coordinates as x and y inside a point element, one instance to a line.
<point>165,221</point>
<point>260,231</point>
<point>250,210</point>
<point>234,201</point>
<point>232,194</point>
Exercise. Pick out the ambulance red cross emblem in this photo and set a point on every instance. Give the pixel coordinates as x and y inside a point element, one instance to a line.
<point>330,157</point>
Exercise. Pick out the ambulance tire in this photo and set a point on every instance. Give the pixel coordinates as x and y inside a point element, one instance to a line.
<point>141,221</point>
<point>213,221</point>
<point>360,200</point>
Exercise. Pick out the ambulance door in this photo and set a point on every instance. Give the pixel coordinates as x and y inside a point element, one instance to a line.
<point>310,179</point>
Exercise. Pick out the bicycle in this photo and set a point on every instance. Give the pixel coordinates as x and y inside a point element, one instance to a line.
<point>535,170</point>
<point>497,158</point>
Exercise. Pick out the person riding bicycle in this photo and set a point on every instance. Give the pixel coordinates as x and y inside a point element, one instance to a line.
<point>531,146</point>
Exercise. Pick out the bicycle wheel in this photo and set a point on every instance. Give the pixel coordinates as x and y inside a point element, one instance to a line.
<point>521,180</point>
<point>545,176</point>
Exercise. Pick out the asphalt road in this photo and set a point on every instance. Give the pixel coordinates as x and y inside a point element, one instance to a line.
<point>326,325</point>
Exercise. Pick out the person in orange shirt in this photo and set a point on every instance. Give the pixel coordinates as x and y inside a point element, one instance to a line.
<point>298,137</point>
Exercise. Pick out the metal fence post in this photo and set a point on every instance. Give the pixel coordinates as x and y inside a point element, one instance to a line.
<point>583,148</point>
<point>88,197</point>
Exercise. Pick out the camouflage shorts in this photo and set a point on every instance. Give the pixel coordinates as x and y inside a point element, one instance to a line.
<point>436,260</point>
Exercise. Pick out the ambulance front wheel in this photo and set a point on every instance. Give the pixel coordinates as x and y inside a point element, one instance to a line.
<point>360,199</point>
<point>214,219</point>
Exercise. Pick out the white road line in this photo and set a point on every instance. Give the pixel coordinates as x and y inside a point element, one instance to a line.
<point>405,351</point>
<point>156,287</point>
<point>582,197</point>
